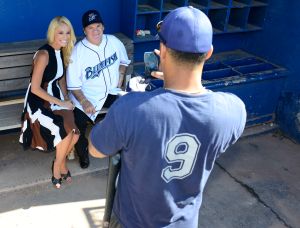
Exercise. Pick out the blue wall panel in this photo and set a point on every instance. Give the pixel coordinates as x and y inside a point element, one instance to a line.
<point>279,40</point>
<point>23,20</point>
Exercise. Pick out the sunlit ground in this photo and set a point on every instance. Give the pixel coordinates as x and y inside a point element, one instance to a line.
<point>80,214</point>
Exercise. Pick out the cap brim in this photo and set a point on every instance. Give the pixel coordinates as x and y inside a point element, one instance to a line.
<point>160,38</point>
<point>156,37</point>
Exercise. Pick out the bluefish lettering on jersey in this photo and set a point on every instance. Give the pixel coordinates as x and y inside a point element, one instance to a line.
<point>93,72</point>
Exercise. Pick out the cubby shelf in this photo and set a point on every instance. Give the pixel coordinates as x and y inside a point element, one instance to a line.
<point>168,5</point>
<point>218,18</point>
<point>146,9</point>
<point>251,27</point>
<point>219,4</point>
<point>240,3</point>
<point>238,19</point>
<point>148,6</point>
<point>227,16</point>
<point>259,3</point>
<point>256,81</point>
<point>202,5</point>
<point>256,16</point>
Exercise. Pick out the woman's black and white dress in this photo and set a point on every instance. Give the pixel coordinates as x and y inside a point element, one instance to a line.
<point>44,124</point>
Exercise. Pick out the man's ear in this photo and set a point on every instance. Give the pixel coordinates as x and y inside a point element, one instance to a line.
<point>209,53</point>
<point>163,50</point>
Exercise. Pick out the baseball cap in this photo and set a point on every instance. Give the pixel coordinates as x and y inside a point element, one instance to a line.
<point>91,17</point>
<point>186,29</point>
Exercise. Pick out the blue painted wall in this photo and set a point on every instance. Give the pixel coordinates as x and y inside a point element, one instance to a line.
<point>279,40</point>
<point>23,20</point>
<point>279,43</point>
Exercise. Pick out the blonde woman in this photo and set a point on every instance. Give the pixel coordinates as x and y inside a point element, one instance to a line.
<point>47,118</point>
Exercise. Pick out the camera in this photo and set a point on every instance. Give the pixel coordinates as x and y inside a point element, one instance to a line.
<point>151,61</point>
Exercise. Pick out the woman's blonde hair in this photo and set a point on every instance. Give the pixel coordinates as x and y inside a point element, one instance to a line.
<point>54,24</point>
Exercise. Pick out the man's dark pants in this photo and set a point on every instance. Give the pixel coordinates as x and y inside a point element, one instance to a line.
<point>82,120</point>
<point>114,222</point>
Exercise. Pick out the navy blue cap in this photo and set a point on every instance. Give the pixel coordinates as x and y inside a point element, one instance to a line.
<point>91,17</point>
<point>186,29</point>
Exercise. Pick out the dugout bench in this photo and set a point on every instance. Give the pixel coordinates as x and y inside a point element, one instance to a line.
<point>15,69</point>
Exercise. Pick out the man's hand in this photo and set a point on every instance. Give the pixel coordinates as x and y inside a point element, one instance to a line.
<point>157,74</point>
<point>87,106</point>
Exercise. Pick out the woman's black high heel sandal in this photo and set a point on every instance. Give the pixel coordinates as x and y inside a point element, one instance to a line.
<point>55,182</point>
<point>67,177</point>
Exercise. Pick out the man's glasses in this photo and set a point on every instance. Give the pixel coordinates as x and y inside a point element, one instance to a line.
<point>158,29</point>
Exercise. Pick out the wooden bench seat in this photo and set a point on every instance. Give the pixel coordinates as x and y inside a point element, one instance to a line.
<point>15,66</point>
<point>15,69</point>
<point>10,114</point>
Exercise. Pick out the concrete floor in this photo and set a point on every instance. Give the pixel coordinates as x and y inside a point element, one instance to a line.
<point>256,183</point>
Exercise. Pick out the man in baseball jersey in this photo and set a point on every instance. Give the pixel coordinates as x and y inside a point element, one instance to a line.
<point>169,138</point>
<point>94,76</point>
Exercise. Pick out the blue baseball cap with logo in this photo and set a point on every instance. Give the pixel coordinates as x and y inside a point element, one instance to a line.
<point>186,29</point>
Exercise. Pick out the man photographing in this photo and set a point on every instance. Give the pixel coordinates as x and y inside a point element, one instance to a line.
<point>169,138</point>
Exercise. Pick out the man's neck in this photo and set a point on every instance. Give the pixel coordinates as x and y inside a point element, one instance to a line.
<point>184,80</point>
<point>95,42</point>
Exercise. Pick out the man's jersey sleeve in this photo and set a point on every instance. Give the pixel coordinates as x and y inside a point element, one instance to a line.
<point>74,79</point>
<point>235,121</point>
<point>124,60</point>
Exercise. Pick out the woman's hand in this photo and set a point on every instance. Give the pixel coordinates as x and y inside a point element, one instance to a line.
<point>67,104</point>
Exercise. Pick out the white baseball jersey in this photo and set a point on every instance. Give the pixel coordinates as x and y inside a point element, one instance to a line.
<point>95,69</point>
